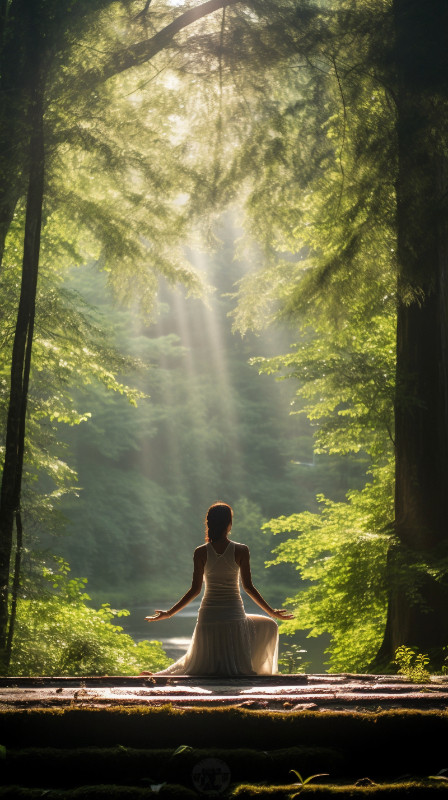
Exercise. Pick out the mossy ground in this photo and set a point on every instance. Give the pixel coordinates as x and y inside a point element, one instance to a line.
<point>123,751</point>
<point>408,789</point>
<point>420,789</point>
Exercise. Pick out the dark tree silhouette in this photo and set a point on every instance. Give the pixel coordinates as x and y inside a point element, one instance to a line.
<point>418,601</point>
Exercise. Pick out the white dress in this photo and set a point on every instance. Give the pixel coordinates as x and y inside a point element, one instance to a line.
<point>226,640</point>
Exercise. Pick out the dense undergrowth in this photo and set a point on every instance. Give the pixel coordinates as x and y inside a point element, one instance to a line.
<point>58,633</point>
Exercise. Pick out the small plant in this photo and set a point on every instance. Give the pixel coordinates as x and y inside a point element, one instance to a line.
<point>412,664</point>
<point>183,748</point>
<point>445,665</point>
<point>441,776</point>
<point>291,662</point>
<point>302,782</point>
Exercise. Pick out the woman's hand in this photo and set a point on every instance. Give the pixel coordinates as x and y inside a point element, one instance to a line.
<point>282,613</point>
<point>158,615</point>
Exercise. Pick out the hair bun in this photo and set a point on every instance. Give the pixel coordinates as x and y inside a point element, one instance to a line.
<point>217,520</point>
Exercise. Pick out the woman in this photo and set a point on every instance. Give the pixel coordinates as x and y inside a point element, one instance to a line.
<point>226,641</point>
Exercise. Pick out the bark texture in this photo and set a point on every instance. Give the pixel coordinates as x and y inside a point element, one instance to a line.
<point>21,363</point>
<point>418,602</point>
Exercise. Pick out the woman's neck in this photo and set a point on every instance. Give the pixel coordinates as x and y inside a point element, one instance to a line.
<point>220,544</point>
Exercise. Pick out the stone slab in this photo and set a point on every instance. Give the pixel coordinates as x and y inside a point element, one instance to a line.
<point>277,692</point>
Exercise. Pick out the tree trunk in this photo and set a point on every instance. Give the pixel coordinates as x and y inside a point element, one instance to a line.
<point>15,589</point>
<point>18,42</point>
<point>418,602</point>
<point>21,85</point>
<point>21,363</point>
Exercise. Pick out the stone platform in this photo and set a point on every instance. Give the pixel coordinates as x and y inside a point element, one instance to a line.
<point>326,692</point>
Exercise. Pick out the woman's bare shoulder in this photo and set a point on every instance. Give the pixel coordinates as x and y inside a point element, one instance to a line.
<point>241,551</point>
<point>200,552</point>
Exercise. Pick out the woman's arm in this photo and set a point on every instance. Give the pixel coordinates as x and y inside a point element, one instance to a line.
<point>196,585</point>
<point>246,580</point>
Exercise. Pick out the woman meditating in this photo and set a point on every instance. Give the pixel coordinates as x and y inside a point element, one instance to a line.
<point>226,640</point>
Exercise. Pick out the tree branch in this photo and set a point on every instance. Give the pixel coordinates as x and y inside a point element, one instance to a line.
<point>142,14</point>
<point>143,51</point>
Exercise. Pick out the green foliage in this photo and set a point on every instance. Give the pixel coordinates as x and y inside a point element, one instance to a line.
<point>72,348</point>
<point>105,201</point>
<point>291,660</point>
<point>309,149</point>
<point>345,376</point>
<point>341,553</point>
<point>303,781</point>
<point>183,748</point>
<point>211,429</point>
<point>321,205</point>
<point>57,633</point>
<point>412,664</point>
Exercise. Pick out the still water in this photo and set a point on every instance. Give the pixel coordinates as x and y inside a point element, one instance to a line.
<point>175,633</point>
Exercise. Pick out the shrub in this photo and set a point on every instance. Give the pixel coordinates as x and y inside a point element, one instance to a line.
<point>57,633</point>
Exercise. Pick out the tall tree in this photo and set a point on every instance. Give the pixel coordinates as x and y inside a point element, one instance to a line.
<point>23,339</point>
<point>417,606</point>
<point>35,36</point>
<point>366,108</point>
<point>370,156</point>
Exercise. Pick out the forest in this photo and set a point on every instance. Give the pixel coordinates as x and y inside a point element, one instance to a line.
<point>223,268</point>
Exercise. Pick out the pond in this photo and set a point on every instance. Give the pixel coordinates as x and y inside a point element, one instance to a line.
<point>175,633</point>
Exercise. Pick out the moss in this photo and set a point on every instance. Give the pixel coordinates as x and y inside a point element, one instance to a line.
<point>380,745</point>
<point>224,727</point>
<point>408,789</point>
<point>121,765</point>
<point>103,792</point>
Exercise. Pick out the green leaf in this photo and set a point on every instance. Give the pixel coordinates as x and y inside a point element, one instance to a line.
<point>183,748</point>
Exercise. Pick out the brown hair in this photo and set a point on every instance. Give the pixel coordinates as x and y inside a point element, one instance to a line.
<point>217,520</point>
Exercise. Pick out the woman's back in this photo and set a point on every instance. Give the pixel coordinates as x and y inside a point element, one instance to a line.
<point>222,598</point>
<point>225,641</point>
